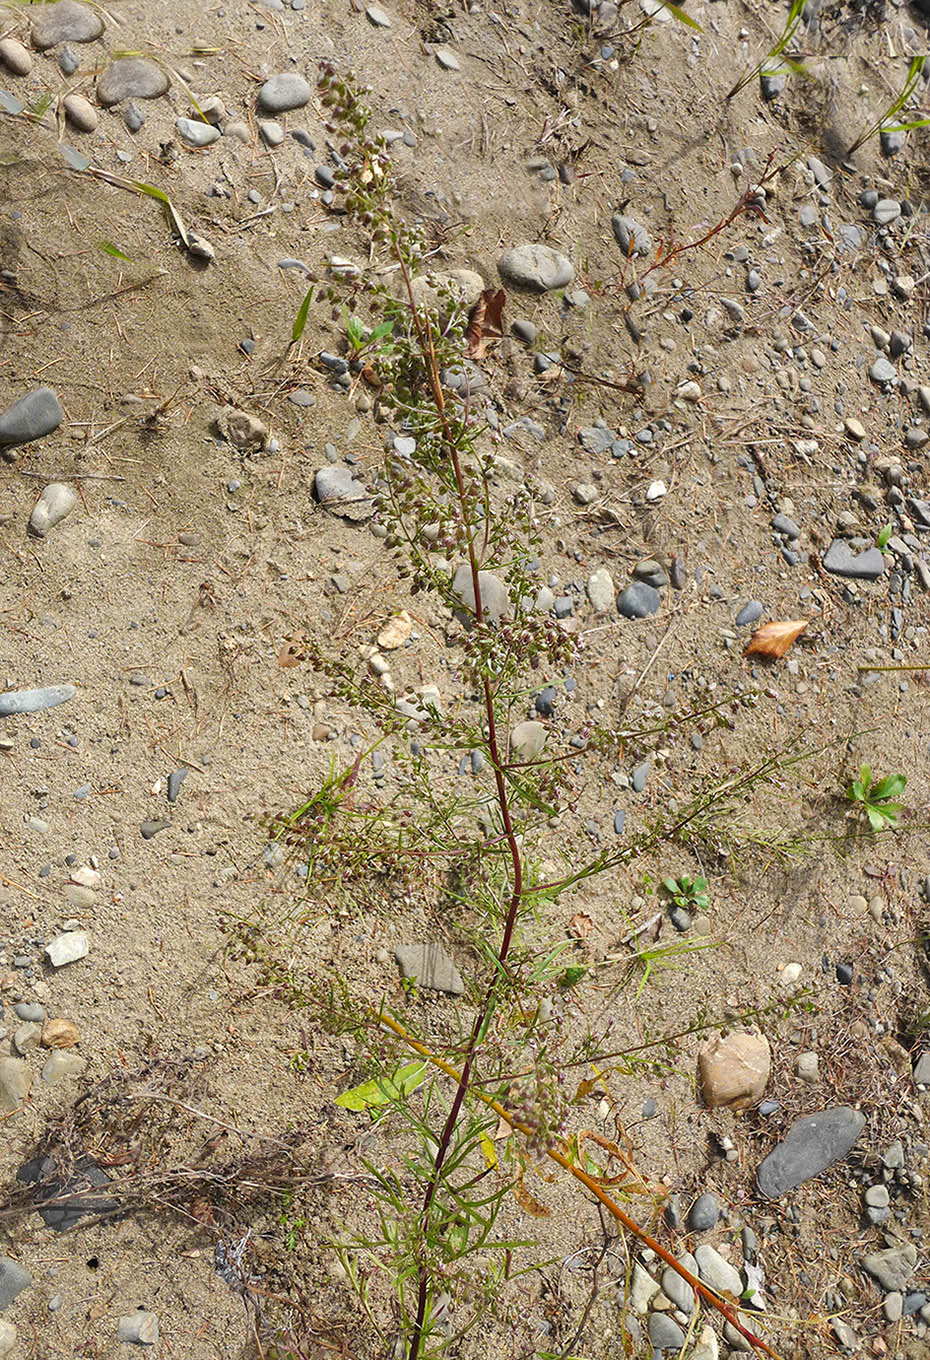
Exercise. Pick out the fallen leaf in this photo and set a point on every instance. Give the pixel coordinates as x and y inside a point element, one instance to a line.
<point>382,1089</point>
<point>527,1203</point>
<point>485,323</point>
<point>291,654</point>
<point>580,926</point>
<point>774,639</point>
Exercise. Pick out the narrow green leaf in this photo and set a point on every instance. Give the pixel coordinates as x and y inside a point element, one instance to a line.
<point>681,16</point>
<point>383,1089</point>
<point>300,320</point>
<point>111,249</point>
<point>884,534</point>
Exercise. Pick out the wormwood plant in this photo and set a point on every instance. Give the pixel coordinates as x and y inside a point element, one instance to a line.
<point>504,1058</point>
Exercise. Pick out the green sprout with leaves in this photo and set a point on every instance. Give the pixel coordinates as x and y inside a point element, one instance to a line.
<point>688,893</point>
<point>889,122</point>
<point>876,798</point>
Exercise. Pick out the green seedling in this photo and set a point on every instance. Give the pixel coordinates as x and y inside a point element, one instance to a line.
<point>889,121</point>
<point>689,893</point>
<point>876,799</point>
<point>884,534</point>
<point>361,339</point>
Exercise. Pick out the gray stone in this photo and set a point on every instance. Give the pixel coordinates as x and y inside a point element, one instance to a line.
<point>595,439</point>
<point>54,504</point>
<point>36,414</point>
<point>131,78</point>
<point>272,133</point>
<point>15,1081</point>
<point>495,597</point>
<point>283,92</point>
<point>652,572</point>
<point>175,780</point>
<point>892,140</point>
<point>14,1278</point>
<point>893,1306</point>
<point>783,525</point>
<point>840,560</point>
<point>584,493</point>
<point>133,117</point>
<point>377,16</point>
<point>772,83</point>
<point>810,1146</point>
<point>893,1267</point>
<point>638,601</point>
<point>139,1328</point>
<point>886,210</point>
<point>67,948</point>
<point>337,490</point>
<point>640,776</point>
<point>882,371</point>
<point>717,1272</point>
<point>664,1332</point>
<point>630,235</point>
<point>66,21</point>
<point>601,590</point>
<point>703,1214</point>
<point>537,267</point>
<point>429,966</point>
<point>750,613</point>
<point>677,1289</point>
<point>34,700</point>
<point>195,132</point>
<point>30,1010</point>
<point>922,1069</point>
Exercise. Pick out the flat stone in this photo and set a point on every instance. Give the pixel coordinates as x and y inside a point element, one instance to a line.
<point>67,948</point>
<point>61,1204</point>
<point>595,439</point>
<point>377,16</point>
<point>8,1336</point>
<point>15,1081</point>
<point>337,490</point>
<point>495,597</point>
<point>707,1346</point>
<point>734,1069</point>
<point>664,1332</point>
<point>630,235</point>
<point>922,1069</point>
<point>854,428</point>
<point>139,1328</point>
<point>80,113</point>
<point>893,1267</point>
<point>36,414</point>
<point>750,613</point>
<point>14,1278</point>
<point>716,1272</point>
<point>882,371</point>
<point>536,267</point>
<point>54,504</point>
<point>810,1146</point>
<point>447,60</point>
<point>66,21</point>
<point>638,601</point>
<point>34,700</point>
<point>886,210</point>
<point>282,92</point>
<point>643,1289</point>
<point>429,966</point>
<point>15,57</point>
<point>62,1064</point>
<point>677,1289</point>
<point>272,133</point>
<point>703,1213</point>
<point>600,590</point>
<point>841,560</point>
<point>131,78</point>
<point>527,740</point>
<point>196,132</point>
<point>652,572</point>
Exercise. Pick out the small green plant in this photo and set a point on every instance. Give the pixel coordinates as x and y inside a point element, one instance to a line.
<point>774,62</point>
<point>689,893</point>
<point>362,340</point>
<point>889,121</point>
<point>876,799</point>
<point>884,534</point>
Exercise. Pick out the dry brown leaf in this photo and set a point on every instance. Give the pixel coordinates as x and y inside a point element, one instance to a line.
<point>485,323</point>
<point>580,926</point>
<point>774,639</point>
<point>291,654</point>
<point>527,1202</point>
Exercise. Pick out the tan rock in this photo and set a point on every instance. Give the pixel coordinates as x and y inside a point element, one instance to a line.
<point>59,1033</point>
<point>395,632</point>
<point>734,1069</point>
